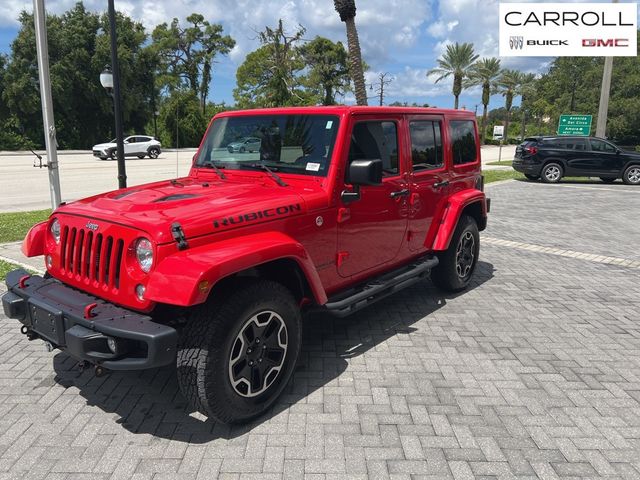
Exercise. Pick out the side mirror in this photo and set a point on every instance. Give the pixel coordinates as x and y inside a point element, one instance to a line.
<point>365,172</point>
<point>193,160</point>
<point>362,172</point>
<point>618,151</point>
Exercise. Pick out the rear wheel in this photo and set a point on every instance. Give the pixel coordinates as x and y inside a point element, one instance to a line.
<point>608,179</point>
<point>531,177</point>
<point>154,152</point>
<point>631,175</point>
<point>457,264</point>
<point>141,156</point>
<point>236,354</point>
<point>551,173</point>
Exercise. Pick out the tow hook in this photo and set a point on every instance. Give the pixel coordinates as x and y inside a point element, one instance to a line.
<point>98,370</point>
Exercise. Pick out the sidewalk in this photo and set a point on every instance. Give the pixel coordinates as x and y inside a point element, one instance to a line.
<point>10,252</point>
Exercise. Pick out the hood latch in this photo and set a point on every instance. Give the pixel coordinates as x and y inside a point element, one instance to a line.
<point>178,236</point>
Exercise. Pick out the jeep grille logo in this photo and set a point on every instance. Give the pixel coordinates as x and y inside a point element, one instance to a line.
<point>515,43</point>
<point>92,226</point>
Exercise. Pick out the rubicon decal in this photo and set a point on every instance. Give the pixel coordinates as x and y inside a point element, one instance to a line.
<point>267,213</point>
<point>568,29</point>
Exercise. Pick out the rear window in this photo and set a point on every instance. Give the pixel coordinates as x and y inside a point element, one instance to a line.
<point>529,142</point>
<point>463,139</point>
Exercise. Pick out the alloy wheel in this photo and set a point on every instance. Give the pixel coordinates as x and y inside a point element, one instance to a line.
<point>552,173</point>
<point>465,254</point>
<point>258,353</point>
<point>634,175</point>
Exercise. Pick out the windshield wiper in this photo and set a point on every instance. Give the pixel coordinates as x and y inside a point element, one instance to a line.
<point>216,168</point>
<point>273,174</point>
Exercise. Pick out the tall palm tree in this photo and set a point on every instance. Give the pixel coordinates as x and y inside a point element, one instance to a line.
<point>508,85</point>
<point>455,61</point>
<point>485,73</point>
<point>526,90</point>
<point>347,11</point>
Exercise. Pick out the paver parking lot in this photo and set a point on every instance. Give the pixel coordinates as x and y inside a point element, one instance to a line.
<point>534,372</point>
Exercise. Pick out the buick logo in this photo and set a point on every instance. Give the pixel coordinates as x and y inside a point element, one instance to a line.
<point>92,226</point>
<point>515,43</point>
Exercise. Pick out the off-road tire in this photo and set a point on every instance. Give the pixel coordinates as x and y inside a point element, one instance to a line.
<point>531,177</point>
<point>445,275</point>
<point>631,175</point>
<point>608,179</point>
<point>206,344</point>
<point>154,152</point>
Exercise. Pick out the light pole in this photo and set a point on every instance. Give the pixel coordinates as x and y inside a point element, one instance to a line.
<point>110,80</point>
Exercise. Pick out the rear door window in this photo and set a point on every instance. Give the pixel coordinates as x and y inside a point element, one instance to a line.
<point>463,142</point>
<point>426,144</point>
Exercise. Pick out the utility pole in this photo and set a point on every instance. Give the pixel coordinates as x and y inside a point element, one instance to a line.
<point>603,108</point>
<point>117,103</point>
<point>379,89</point>
<point>42,49</point>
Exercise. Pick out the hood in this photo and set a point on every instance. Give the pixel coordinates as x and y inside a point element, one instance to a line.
<point>201,207</point>
<point>102,146</point>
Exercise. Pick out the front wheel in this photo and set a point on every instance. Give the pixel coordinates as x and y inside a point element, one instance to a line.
<point>531,177</point>
<point>236,354</point>
<point>551,173</point>
<point>457,264</point>
<point>631,175</point>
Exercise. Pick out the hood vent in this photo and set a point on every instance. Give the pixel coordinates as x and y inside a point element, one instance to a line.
<point>177,196</point>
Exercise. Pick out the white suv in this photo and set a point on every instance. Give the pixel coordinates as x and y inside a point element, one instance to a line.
<point>134,146</point>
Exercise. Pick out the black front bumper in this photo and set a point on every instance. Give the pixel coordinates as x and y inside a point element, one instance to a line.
<point>56,313</point>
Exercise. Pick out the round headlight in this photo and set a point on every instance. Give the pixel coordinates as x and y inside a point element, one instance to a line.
<point>144,254</point>
<point>54,228</point>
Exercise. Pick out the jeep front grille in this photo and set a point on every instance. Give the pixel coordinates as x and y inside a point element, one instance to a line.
<point>91,256</point>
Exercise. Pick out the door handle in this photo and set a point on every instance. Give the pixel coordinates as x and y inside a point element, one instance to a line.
<point>441,184</point>
<point>400,193</point>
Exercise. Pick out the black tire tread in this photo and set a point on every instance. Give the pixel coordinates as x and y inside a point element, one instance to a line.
<point>444,275</point>
<point>204,328</point>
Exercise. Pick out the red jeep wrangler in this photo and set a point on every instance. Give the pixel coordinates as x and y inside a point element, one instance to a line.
<point>329,208</point>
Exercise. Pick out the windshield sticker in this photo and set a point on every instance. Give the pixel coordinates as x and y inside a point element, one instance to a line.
<point>313,167</point>
<point>329,124</point>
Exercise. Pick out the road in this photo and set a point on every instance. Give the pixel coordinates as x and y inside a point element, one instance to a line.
<point>26,188</point>
<point>23,187</point>
<point>533,372</point>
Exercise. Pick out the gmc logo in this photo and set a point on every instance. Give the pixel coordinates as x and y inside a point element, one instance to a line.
<point>609,42</point>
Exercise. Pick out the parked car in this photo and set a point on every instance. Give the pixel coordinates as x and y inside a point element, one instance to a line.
<point>214,271</point>
<point>247,144</point>
<point>551,158</point>
<point>134,146</point>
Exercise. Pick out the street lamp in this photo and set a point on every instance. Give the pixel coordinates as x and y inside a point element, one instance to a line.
<point>110,80</point>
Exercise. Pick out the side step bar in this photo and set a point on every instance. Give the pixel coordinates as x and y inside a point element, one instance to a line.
<point>357,298</point>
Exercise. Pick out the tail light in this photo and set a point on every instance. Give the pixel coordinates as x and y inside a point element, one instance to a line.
<point>531,150</point>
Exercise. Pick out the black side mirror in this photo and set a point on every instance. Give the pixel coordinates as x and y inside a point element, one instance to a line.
<point>365,172</point>
<point>362,172</point>
<point>618,151</point>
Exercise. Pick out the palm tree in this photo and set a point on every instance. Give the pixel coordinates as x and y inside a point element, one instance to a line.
<point>347,11</point>
<point>485,73</point>
<point>527,87</point>
<point>508,85</point>
<point>456,61</point>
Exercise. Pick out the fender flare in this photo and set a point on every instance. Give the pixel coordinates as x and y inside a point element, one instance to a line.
<point>456,204</point>
<point>186,277</point>
<point>33,243</point>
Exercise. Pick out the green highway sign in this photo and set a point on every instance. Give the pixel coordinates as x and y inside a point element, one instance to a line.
<point>574,125</point>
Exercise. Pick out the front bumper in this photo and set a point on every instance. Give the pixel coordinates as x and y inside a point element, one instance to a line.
<point>81,324</point>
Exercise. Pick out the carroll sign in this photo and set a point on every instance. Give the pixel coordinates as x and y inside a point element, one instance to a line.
<point>568,29</point>
<point>574,125</point>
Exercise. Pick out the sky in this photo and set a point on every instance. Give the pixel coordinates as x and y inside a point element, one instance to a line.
<point>400,37</point>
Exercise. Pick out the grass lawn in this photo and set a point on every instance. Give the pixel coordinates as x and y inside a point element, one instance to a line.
<point>506,163</point>
<point>15,225</point>
<point>497,175</point>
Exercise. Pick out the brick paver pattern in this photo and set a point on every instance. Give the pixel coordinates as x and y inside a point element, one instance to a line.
<point>534,372</point>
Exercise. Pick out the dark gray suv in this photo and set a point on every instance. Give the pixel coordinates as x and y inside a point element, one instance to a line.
<point>551,158</point>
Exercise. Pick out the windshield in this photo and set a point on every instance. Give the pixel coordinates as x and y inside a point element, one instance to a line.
<point>285,143</point>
